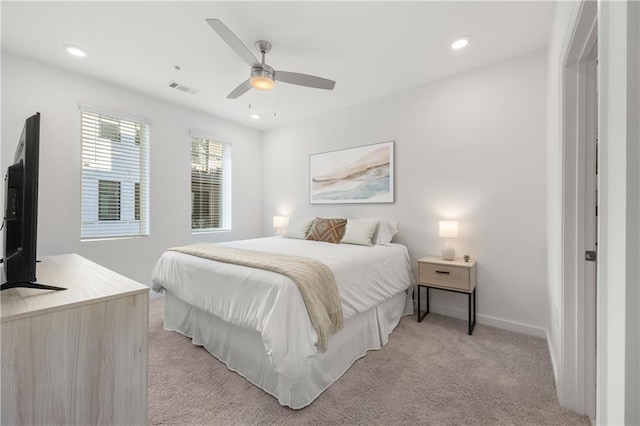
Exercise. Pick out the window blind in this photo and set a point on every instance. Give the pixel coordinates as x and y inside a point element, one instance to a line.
<point>210,184</point>
<point>115,175</point>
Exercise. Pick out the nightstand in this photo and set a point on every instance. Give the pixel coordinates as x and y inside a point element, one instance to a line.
<point>450,275</point>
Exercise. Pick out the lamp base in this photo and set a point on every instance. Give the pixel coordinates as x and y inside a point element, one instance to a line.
<point>448,253</point>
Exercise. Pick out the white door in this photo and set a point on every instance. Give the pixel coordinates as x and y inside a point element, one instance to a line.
<point>591,227</point>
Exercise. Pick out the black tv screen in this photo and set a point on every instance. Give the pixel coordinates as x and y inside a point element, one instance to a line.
<point>21,210</point>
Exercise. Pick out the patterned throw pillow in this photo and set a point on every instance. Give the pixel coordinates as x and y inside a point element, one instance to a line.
<point>327,230</point>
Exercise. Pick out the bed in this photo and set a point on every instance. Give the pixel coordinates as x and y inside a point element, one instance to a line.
<point>255,321</point>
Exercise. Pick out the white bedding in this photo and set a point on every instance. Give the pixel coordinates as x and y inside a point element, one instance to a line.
<point>270,303</point>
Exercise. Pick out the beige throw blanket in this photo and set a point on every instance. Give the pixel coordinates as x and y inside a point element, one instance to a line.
<point>314,279</point>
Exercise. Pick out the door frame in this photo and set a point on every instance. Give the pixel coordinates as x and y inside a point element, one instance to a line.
<point>577,364</point>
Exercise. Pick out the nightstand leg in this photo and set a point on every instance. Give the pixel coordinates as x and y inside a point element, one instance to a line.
<point>421,317</point>
<point>472,324</point>
<point>475,296</point>
<point>427,300</point>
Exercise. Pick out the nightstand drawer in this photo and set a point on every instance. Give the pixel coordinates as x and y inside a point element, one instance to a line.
<point>449,276</point>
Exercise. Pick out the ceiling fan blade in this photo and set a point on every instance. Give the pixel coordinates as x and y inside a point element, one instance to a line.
<point>304,80</point>
<point>233,41</point>
<point>240,90</point>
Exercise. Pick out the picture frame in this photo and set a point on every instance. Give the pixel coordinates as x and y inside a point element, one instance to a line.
<point>362,174</point>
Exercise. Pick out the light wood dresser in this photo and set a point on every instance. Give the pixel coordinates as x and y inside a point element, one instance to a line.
<point>450,275</point>
<point>77,356</point>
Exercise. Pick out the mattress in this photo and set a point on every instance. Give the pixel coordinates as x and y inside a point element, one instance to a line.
<point>269,305</point>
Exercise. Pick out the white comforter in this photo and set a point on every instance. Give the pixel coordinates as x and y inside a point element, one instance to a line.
<point>270,303</point>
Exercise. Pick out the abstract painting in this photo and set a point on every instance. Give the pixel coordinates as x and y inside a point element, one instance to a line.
<point>362,174</point>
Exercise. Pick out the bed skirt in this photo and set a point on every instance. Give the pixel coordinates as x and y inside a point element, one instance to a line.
<point>243,351</point>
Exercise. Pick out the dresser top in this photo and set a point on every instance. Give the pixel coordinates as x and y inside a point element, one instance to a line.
<point>86,283</point>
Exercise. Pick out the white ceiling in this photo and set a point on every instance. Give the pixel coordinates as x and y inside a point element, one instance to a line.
<point>371,49</point>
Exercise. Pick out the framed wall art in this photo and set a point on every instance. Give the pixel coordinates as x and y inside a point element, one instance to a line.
<point>363,174</point>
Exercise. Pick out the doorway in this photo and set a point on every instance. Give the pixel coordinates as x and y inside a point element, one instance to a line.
<point>588,153</point>
<point>577,378</point>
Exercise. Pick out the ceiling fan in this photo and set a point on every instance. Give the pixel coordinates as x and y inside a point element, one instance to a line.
<point>263,76</point>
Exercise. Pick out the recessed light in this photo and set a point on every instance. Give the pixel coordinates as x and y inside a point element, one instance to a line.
<point>76,51</point>
<point>255,116</point>
<point>460,42</point>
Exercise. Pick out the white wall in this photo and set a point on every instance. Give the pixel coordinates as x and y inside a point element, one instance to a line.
<point>618,271</point>
<point>634,416</point>
<point>618,274</point>
<point>28,87</point>
<point>469,147</point>
<point>632,383</point>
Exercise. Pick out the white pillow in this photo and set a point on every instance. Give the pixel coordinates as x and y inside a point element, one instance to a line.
<point>360,231</point>
<point>386,230</point>
<point>298,228</point>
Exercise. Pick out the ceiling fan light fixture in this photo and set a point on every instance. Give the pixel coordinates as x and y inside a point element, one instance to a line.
<point>262,78</point>
<point>262,83</point>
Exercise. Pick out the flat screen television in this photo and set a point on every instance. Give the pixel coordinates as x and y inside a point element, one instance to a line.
<point>21,211</point>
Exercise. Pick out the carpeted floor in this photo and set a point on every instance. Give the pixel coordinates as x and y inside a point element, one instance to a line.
<point>429,373</point>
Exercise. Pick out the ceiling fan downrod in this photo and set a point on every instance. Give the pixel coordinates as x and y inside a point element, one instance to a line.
<point>263,47</point>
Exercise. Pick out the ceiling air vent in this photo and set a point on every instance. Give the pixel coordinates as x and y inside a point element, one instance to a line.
<point>183,88</point>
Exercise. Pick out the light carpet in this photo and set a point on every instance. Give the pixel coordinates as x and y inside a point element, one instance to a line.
<point>429,373</point>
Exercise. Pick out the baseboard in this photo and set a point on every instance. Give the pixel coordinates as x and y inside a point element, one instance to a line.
<point>488,320</point>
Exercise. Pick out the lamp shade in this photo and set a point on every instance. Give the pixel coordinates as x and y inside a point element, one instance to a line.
<point>280,221</point>
<point>448,229</point>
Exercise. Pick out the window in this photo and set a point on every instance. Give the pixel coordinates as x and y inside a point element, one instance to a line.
<point>108,200</point>
<point>210,184</point>
<point>109,129</point>
<point>136,207</point>
<point>115,175</point>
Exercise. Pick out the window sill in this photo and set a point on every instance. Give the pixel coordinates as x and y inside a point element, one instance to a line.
<point>123,237</point>
<point>210,231</point>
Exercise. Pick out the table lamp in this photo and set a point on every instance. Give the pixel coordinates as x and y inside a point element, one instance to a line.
<point>280,223</point>
<point>448,229</point>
